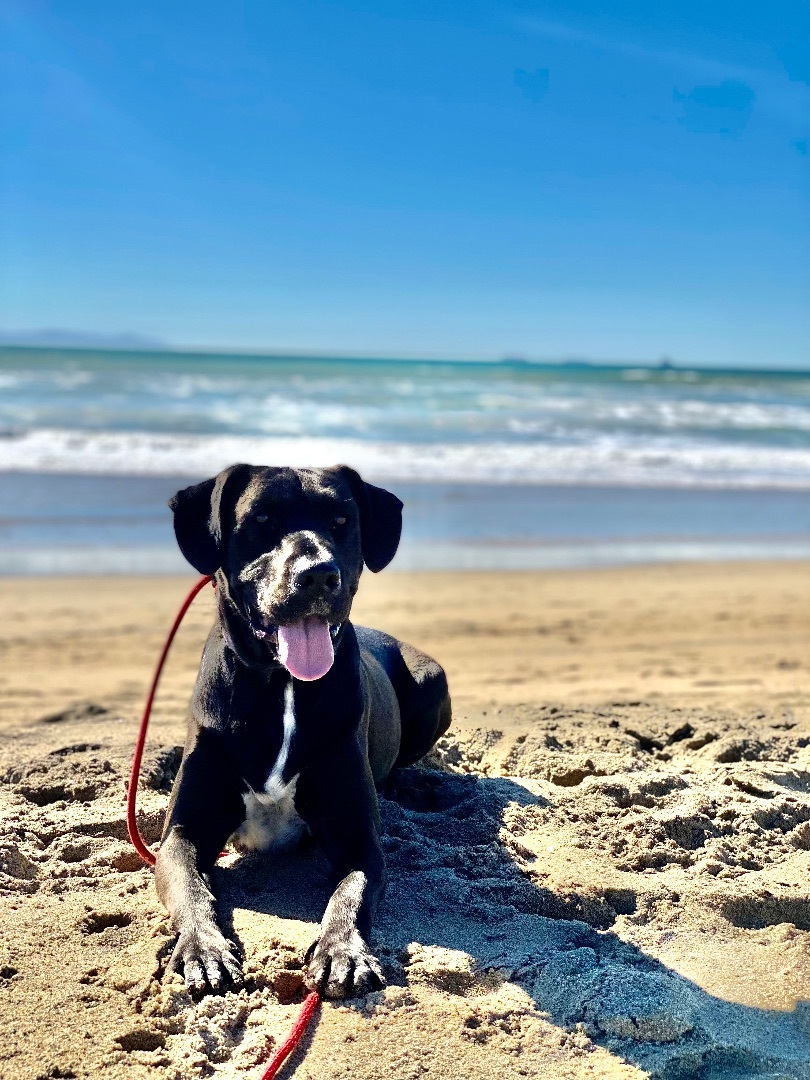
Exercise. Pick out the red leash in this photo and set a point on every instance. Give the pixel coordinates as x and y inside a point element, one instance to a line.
<point>311,1003</point>
<point>134,776</point>
<point>312,999</point>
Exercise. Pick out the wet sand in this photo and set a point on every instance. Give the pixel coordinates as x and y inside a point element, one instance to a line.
<point>604,872</point>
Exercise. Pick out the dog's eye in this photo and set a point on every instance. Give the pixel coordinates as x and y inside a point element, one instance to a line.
<point>261,518</point>
<point>340,520</point>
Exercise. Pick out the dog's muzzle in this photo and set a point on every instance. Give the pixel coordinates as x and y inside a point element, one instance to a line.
<point>294,607</point>
<point>305,647</point>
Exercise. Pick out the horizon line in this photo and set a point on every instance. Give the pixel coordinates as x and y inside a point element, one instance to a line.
<point>129,345</point>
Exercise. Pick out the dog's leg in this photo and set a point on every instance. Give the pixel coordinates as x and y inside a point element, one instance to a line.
<point>205,809</point>
<point>339,803</point>
<point>340,962</point>
<point>203,955</point>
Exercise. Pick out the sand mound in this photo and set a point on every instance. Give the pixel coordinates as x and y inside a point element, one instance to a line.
<point>623,893</point>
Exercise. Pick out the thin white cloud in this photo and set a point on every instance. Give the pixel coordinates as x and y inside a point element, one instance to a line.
<point>777,95</point>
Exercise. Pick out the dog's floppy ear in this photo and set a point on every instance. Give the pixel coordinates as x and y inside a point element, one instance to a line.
<point>380,520</point>
<point>198,513</point>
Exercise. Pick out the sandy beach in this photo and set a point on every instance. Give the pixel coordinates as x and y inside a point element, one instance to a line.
<point>602,872</point>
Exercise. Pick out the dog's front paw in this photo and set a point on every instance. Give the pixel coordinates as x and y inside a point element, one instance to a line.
<point>205,958</point>
<point>340,967</point>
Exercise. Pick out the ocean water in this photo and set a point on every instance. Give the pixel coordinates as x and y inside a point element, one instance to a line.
<point>503,464</point>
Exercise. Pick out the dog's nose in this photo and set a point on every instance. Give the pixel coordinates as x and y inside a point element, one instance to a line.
<point>319,578</point>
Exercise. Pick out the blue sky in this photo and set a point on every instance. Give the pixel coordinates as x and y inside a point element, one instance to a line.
<point>618,180</point>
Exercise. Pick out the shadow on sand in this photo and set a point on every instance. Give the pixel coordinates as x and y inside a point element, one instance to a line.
<point>452,883</point>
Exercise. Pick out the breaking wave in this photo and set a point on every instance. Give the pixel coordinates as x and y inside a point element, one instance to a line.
<point>606,459</point>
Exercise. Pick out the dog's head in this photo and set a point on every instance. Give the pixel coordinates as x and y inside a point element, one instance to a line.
<point>289,545</point>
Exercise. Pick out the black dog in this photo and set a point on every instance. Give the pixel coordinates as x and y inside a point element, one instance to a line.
<point>297,716</point>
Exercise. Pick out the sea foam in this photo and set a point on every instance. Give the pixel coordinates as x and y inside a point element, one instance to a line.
<point>606,459</point>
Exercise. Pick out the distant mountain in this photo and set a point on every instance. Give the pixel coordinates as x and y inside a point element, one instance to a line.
<point>79,339</point>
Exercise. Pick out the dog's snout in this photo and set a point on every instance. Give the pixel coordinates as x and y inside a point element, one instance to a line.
<point>323,578</point>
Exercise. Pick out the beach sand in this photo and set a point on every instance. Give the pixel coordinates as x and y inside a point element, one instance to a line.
<point>604,872</point>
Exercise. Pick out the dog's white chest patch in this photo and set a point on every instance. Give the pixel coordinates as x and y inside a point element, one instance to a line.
<point>271,820</point>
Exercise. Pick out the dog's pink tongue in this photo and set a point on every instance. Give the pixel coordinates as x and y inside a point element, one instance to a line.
<point>305,648</point>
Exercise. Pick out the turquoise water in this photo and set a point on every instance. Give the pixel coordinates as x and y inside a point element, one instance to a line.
<point>502,464</point>
<point>159,413</point>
